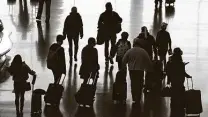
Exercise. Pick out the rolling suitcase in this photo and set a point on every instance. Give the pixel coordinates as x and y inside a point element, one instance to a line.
<point>36,103</point>
<point>54,93</point>
<point>86,93</point>
<point>120,87</point>
<point>193,104</point>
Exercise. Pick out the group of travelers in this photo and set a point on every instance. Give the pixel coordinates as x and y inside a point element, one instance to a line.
<point>140,56</point>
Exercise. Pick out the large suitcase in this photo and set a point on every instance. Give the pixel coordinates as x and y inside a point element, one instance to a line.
<point>54,93</point>
<point>36,102</point>
<point>120,87</point>
<point>86,93</point>
<point>193,103</point>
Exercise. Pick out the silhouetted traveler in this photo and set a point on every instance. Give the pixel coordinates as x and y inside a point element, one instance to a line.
<point>121,48</point>
<point>138,61</point>
<point>150,44</point>
<point>56,59</point>
<point>19,70</point>
<point>163,42</point>
<point>40,9</point>
<point>176,76</point>
<point>90,63</point>
<point>73,27</point>
<point>110,21</point>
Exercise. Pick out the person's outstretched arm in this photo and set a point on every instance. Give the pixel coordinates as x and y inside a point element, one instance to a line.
<point>65,26</point>
<point>170,42</point>
<point>63,62</point>
<point>81,27</point>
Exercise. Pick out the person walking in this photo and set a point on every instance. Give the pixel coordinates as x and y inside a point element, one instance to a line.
<point>163,42</point>
<point>138,61</point>
<point>176,74</point>
<point>20,70</point>
<point>90,65</point>
<point>40,9</point>
<point>121,47</point>
<point>73,28</point>
<point>150,43</point>
<point>56,59</point>
<point>110,22</point>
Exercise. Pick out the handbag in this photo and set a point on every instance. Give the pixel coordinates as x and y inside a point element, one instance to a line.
<point>27,86</point>
<point>101,36</point>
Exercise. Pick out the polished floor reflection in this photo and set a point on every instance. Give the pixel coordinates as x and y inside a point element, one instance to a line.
<point>188,27</point>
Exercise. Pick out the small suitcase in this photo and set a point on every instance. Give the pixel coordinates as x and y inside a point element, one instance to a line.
<point>36,103</point>
<point>54,93</point>
<point>86,93</point>
<point>120,87</point>
<point>193,103</point>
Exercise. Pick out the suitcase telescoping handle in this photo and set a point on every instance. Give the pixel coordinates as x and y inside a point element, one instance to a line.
<point>60,80</point>
<point>191,83</point>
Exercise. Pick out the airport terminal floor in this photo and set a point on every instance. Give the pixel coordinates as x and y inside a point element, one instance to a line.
<point>187,24</point>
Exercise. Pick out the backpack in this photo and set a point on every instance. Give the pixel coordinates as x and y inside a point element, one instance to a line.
<point>52,58</point>
<point>122,48</point>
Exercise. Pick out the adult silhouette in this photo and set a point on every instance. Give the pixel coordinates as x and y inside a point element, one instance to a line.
<point>73,28</point>
<point>110,22</point>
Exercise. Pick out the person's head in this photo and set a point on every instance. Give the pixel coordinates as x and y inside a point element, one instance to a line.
<point>124,35</point>
<point>178,51</point>
<point>108,6</point>
<point>91,42</point>
<point>177,55</point>
<point>164,26</point>
<point>138,42</point>
<point>144,29</point>
<point>74,9</point>
<point>59,39</point>
<point>17,61</point>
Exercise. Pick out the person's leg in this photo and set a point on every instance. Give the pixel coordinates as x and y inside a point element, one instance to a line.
<point>17,99</point>
<point>40,9</point>
<point>70,47</point>
<point>48,7</point>
<point>106,50</point>
<point>139,76</point>
<point>120,64</point>
<point>134,84</point>
<point>76,46</point>
<point>113,43</point>
<point>22,99</point>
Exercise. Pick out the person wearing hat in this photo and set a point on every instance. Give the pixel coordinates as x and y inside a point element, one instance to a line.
<point>138,61</point>
<point>58,61</point>
<point>176,74</point>
<point>150,44</point>
<point>73,28</point>
<point>163,42</point>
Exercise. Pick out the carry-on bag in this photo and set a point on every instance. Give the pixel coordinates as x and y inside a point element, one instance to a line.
<point>36,101</point>
<point>86,93</point>
<point>193,104</point>
<point>120,87</point>
<point>54,93</point>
